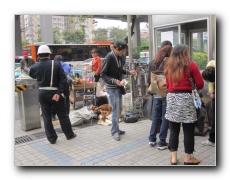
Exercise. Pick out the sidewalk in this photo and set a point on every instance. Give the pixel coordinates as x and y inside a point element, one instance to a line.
<point>94,146</point>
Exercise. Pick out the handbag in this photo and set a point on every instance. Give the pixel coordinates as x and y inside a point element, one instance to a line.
<point>130,117</point>
<point>158,83</point>
<point>195,94</point>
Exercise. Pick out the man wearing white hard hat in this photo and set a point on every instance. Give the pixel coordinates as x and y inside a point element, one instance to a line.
<point>52,82</point>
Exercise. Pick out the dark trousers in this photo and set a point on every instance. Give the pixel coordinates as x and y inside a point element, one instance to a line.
<point>212,131</point>
<point>66,102</point>
<point>188,129</point>
<point>46,102</point>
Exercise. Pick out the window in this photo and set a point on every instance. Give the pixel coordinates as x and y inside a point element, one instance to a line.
<point>168,33</point>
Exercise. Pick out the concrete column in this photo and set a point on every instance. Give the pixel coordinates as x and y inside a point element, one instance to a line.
<point>136,36</point>
<point>151,37</point>
<point>46,28</point>
<point>212,37</point>
<point>18,38</point>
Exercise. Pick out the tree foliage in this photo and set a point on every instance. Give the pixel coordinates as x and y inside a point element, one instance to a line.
<point>24,43</point>
<point>76,36</point>
<point>201,59</point>
<point>100,34</point>
<point>118,34</point>
<point>144,42</point>
<point>57,35</point>
<point>39,39</point>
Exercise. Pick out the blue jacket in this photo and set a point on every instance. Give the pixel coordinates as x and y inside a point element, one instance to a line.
<point>66,68</point>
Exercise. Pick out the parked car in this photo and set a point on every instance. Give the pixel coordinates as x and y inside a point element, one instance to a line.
<point>84,65</point>
<point>144,60</point>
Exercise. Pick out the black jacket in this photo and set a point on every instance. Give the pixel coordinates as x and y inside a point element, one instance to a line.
<point>112,70</point>
<point>42,72</point>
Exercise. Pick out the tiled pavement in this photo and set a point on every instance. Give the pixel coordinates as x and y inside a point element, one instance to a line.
<point>94,146</point>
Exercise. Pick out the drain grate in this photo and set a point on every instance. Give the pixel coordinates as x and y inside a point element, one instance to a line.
<point>40,135</point>
<point>22,139</point>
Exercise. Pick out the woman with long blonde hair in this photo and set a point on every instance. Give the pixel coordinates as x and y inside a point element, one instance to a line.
<point>180,106</point>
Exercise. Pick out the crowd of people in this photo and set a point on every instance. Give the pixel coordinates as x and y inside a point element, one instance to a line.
<point>172,112</point>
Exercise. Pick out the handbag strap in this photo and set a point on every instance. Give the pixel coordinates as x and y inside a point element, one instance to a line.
<point>191,80</point>
<point>52,72</point>
<point>162,63</point>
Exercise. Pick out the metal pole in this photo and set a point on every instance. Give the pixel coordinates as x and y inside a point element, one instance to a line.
<point>212,37</point>
<point>129,20</point>
<point>151,37</point>
<point>18,40</point>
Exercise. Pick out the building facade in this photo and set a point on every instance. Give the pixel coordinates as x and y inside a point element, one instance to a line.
<point>31,31</point>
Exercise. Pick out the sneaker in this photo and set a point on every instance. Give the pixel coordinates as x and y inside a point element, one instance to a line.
<point>162,145</point>
<point>116,136</point>
<point>208,143</point>
<point>152,143</point>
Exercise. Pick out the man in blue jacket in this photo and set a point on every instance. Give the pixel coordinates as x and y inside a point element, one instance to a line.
<point>111,73</point>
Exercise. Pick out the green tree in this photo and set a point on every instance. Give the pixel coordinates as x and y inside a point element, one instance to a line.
<point>39,39</point>
<point>24,43</point>
<point>144,42</point>
<point>100,34</point>
<point>76,36</point>
<point>57,36</point>
<point>118,34</point>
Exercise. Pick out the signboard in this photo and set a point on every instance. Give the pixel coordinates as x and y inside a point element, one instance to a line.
<point>168,35</point>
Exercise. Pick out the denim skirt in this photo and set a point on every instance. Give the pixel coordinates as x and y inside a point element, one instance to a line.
<point>180,108</point>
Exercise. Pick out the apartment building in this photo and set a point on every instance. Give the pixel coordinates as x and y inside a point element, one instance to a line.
<point>31,31</point>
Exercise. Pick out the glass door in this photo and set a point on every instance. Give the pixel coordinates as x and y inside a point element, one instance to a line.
<point>199,47</point>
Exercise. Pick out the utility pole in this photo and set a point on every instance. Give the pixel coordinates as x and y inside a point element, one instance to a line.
<point>46,28</point>
<point>18,38</point>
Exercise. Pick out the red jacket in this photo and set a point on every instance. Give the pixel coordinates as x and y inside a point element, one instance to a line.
<point>184,84</point>
<point>97,65</point>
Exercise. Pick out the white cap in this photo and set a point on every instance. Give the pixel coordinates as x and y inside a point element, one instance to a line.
<point>44,49</point>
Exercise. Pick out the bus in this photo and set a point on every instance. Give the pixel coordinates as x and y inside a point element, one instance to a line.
<point>70,52</point>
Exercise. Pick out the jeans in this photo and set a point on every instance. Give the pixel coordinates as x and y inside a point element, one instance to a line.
<point>159,115</point>
<point>115,99</point>
<point>189,140</point>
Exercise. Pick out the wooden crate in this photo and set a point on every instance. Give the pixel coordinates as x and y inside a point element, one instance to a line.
<point>83,87</point>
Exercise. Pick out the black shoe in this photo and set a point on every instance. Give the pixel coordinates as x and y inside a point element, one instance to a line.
<point>120,132</point>
<point>68,138</point>
<point>52,142</point>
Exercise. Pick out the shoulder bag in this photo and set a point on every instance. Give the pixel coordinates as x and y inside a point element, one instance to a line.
<point>158,82</point>
<point>195,94</point>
